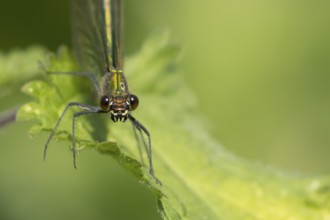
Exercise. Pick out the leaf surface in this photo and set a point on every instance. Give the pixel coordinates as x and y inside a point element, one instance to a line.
<point>201,180</point>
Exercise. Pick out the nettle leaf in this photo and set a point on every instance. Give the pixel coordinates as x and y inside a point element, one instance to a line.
<point>201,180</point>
<point>17,67</point>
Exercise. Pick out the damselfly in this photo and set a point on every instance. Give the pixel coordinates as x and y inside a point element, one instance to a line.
<point>97,30</point>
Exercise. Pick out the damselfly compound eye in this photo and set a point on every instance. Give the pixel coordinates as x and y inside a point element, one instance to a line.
<point>104,103</point>
<point>134,102</point>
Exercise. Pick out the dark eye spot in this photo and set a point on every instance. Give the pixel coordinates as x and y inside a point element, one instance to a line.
<point>104,103</point>
<point>134,102</point>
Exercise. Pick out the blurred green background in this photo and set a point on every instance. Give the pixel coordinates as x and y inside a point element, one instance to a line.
<point>260,71</point>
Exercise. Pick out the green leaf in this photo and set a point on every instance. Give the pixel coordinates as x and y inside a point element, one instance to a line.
<point>18,65</point>
<point>201,180</point>
<point>16,68</point>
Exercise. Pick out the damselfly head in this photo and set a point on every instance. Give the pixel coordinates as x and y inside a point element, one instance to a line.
<point>119,106</point>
